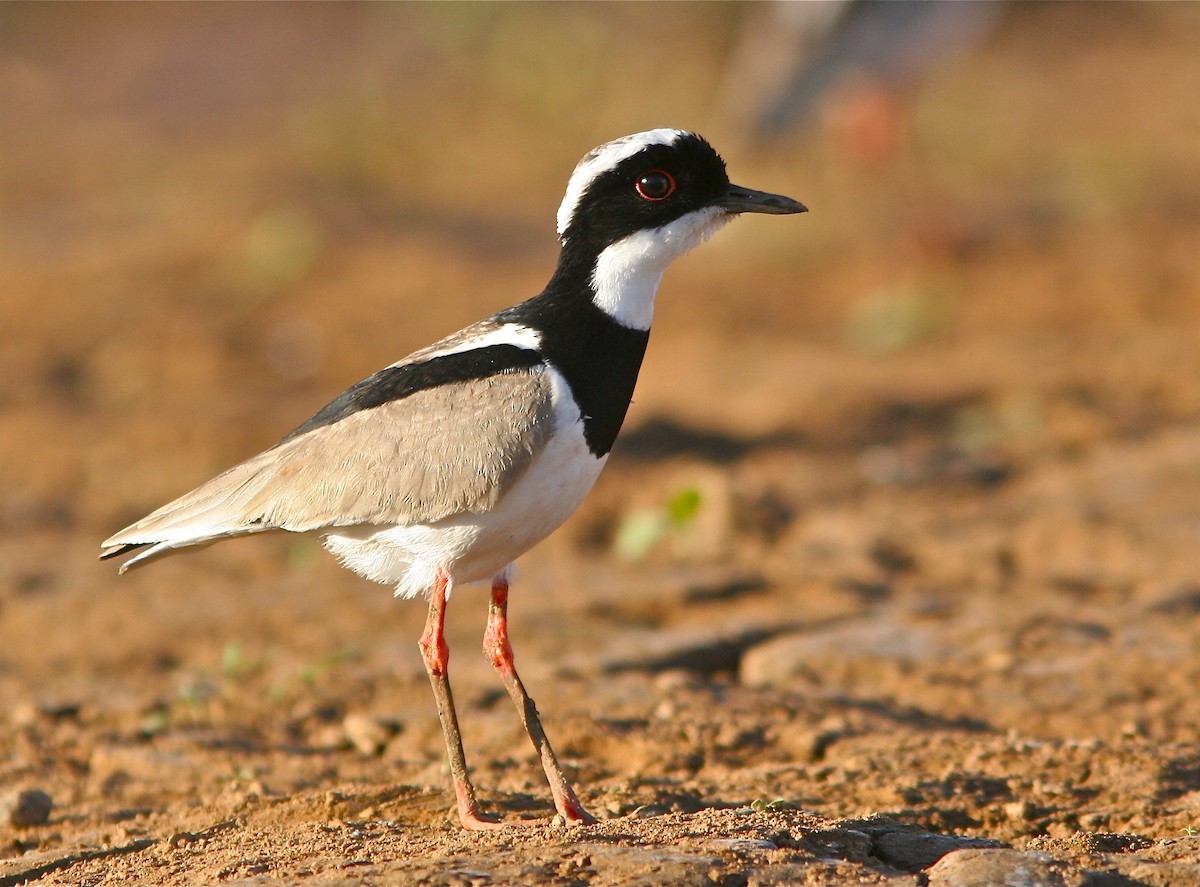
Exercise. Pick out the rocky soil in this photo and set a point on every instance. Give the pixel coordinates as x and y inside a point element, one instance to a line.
<point>894,577</point>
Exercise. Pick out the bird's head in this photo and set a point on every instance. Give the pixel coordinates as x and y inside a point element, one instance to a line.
<point>635,204</point>
<point>651,180</point>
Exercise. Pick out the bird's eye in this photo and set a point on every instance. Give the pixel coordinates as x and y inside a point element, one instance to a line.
<point>655,185</point>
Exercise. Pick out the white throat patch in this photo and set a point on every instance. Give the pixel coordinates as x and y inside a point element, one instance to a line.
<point>600,160</point>
<point>627,273</point>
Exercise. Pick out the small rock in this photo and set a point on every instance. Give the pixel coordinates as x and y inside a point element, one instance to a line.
<point>22,809</point>
<point>142,763</point>
<point>1136,871</point>
<point>24,714</point>
<point>743,845</point>
<point>1019,811</point>
<point>649,811</point>
<point>700,652</point>
<point>676,679</point>
<point>806,745</point>
<point>666,710</point>
<point>368,734</point>
<point>912,848</point>
<point>786,658</point>
<point>841,843</point>
<point>328,736</point>
<point>1184,849</point>
<point>985,868</point>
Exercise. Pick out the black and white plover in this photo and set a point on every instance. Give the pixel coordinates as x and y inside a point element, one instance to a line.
<point>449,464</point>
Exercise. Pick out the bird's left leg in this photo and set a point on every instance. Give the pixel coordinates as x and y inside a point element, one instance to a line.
<point>499,651</point>
<point>436,654</point>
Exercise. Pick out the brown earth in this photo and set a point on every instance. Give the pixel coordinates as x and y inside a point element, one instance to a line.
<point>894,577</point>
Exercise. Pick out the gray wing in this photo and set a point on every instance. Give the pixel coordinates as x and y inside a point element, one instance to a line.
<point>434,454</point>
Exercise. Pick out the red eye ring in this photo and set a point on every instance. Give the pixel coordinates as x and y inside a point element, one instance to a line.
<point>655,185</point>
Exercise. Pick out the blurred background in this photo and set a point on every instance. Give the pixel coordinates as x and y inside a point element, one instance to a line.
<point>214,217</point>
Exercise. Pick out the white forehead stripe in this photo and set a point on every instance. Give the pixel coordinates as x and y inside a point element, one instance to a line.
<point>604,158</point>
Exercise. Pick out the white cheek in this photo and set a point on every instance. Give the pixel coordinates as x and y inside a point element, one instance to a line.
<point>628,272</point>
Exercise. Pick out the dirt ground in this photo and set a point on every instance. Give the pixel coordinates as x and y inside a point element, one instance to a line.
<point>894,577</point>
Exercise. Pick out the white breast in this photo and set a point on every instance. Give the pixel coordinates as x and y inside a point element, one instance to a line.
<point>471,547</point>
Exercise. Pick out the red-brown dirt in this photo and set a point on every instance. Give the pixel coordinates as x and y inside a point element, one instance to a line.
<point>892,579</point>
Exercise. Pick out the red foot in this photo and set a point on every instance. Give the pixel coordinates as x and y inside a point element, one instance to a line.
<point>475,820</point>
<point>572,811</point>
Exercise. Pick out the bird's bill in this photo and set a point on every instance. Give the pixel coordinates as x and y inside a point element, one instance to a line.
<point>746,200</point>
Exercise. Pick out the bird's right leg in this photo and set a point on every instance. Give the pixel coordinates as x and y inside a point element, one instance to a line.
<point>498,649</point>
<point>436,654</point>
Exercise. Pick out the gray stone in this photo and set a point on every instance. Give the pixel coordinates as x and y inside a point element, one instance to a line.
<point>743,845</point>
<point>913,850</point>
<point>780,660</point>
<point>698,652</point>
<point>25,808</point>
<point>1151,874</point>
<point>369,734</point>
<point>1003,868</point>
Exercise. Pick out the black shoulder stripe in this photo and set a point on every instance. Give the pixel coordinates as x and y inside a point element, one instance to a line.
<point>597,356</point>
<point>395,383</point>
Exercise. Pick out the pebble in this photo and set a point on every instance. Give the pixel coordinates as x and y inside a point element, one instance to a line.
<point>698,652</point>
<point>986,868</point>
<point>368,734</point>
<point>25,808</point>
<point>911,848</point>
<point>782,660</point>
<point>649,811</point>
<point>1020,811</point>
<point>743,845</point>
<point>806,745</point>
<point>24,714</point>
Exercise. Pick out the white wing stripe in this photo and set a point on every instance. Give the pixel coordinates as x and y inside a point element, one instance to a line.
<point>508,334</point>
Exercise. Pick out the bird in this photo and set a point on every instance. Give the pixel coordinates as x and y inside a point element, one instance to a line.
<point>443,468</point>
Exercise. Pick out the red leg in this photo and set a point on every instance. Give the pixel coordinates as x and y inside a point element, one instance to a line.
<point>498,649</point>
<point>436,654</point>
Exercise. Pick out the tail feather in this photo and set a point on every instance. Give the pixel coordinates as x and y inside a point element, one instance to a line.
<point>118,550</point>
<point>154,550</point>
<point>219,509</point>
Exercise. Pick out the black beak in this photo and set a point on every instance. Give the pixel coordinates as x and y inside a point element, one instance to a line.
<point>743,200</point>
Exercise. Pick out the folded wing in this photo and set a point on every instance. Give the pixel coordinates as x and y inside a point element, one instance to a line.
<point>433,453</point>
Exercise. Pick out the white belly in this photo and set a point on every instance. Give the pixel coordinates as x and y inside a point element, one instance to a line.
<point>471,547</point>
